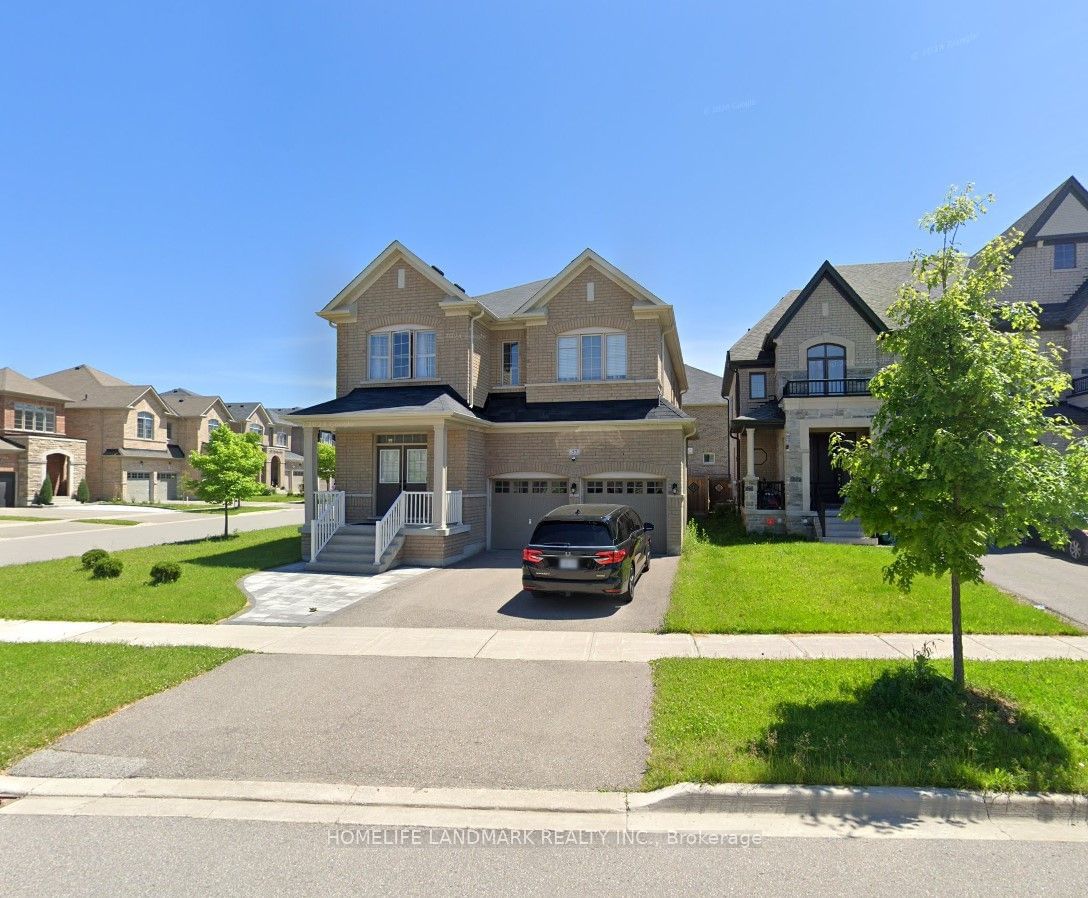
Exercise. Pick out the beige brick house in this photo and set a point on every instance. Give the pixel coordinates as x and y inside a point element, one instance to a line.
<point>196,419</point>
<point>802,371</point>
<point>253,417</point>
<point>127,429</point>
<point>709,482</point>
<point>460,420</point>
<point>34,443</point>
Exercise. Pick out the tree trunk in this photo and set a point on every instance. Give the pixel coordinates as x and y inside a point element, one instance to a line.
<point>226,520</point>
<point>957,633</point>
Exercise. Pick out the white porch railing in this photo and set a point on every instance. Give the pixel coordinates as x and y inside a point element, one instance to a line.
<point>328,518</point>
<point>412,508</point>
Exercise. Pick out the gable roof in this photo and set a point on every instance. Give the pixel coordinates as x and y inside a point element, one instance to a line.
<point>1032,221</point>
<point>585,259</point>
<point>704,388</point>
<point>87,387</point>
<point>11,381</point>
<point>240,411</point>
<point>187,404</point>
<point>828,272</point>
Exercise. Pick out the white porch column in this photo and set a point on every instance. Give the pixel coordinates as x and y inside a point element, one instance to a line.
<point>438,503</point>
<point>309,469</point>
<point>750,452</point>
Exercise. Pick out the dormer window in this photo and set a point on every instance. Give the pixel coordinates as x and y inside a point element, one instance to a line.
<point>402,354</point>
<point>1065,255</point>
<point>145,426</point>
<point>591,356</point>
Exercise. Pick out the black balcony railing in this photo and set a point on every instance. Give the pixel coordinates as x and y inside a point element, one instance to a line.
<point>847,386</point>
<point>1080,385</point>
<point>771,494</point>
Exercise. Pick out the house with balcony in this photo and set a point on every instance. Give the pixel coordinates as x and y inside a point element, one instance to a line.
<point>131,453</point>
<point>802,372</point>
<point>460,420</point>
<point>34,443</point>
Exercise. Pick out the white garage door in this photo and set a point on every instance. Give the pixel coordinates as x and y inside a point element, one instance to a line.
<point>138,486</point>
<point>166,490</point>
<point>646,497</point>
<point>517,506</point>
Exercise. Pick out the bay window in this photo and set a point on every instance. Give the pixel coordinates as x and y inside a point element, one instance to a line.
<point>591,357</point>
<point>401,355</point>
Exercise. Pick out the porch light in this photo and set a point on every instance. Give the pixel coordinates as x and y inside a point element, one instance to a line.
<point>674,490</point>
<point>573,488</point>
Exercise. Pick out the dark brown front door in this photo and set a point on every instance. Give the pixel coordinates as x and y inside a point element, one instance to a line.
<point>826,480</point>
<point>399,468</point>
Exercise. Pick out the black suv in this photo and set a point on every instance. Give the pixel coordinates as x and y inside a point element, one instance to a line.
<point>600,549</point>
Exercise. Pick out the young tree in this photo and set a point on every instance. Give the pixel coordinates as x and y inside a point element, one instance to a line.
<point>229,470</point>
<point>962,455</point>
<point>326,462</point>
<point>83,492</point>
<point>45,494</point>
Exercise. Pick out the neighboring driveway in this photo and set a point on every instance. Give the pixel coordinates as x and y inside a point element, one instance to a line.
<point>60,538</point>
<point>378,721</point>
<point>485,592</point>
<point>1042,578</point>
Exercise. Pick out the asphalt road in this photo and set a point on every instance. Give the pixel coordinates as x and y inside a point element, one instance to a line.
<point>485,592</point>
<point>1042,578</point>
<point>145,856</point>
<point>380,721</point>
<point>62,538</point>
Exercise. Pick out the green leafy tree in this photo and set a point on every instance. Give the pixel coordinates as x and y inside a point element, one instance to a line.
<point>229,469</point>
<point>83,492</point>
<point>326,462</point>
<point>45,494</point>
<point>963,454</point>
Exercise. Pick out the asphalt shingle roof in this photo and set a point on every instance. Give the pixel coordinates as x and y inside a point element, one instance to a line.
<point>704,388</point>
<point>512,408</point>
<point>11,381</point>
<point>418,397</point>
<point>185,403</point>
<point>503,303</point>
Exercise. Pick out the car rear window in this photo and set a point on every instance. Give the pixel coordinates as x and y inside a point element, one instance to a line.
<point>572,533</point>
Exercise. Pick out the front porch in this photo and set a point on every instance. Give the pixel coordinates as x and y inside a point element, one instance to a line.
<point>762,450</point>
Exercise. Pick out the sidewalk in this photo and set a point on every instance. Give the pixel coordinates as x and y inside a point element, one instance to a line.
<point>538,645</point>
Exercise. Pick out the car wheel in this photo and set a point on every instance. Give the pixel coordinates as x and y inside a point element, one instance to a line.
<point>1076,549</point>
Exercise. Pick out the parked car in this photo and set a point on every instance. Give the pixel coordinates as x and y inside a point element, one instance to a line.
<point>599,549</point>
<point>1077,547</point>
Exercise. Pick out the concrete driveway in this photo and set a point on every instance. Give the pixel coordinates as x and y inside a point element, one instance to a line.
<point>377,721</point>
<point>485,592</point>
<point>1042,578</point>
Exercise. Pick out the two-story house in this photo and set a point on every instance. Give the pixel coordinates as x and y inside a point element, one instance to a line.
<point>460,420</point>
<point>294,438</point>
<point>196,419</point>
<point>253,417</point>
<point>709,481</point>
<point>802,371</point>
<point>34,444</point>
<point>127,429</point>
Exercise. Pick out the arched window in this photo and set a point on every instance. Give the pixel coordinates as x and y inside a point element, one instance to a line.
<point>145,426</point>
<point>827,369</point>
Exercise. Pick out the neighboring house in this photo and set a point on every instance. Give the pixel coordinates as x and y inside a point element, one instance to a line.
<point>253,417</point>
<point>290,435</point>
<point>502,406</point>
<point>709,482</point>
<point>197,418</point>
<point>34,443</point>
<point>126,426</point>
<point>802,372</point>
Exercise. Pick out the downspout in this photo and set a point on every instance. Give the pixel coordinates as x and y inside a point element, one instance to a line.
<point>472,352</point>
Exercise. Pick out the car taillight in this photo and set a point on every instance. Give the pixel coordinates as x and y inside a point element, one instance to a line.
<point>532,556</point>
<point>611,556</point>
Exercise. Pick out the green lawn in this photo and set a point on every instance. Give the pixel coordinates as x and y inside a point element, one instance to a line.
<point>278,497</point>
<point>116,522</point>
<point>24,517</point>
<point>208,509</point>
<point>49,689</point>
<point>839,723</point>
<point>206,592</point>
<point>728,582</point>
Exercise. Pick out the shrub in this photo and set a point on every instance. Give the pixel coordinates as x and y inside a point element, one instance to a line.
<point>45,494</point>
<point>165,572</point>
<point>91,557</point>
<point>108,568</point>
<point>83,492</point>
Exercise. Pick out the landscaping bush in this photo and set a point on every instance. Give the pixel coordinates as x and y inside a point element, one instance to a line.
<point>165,572</point>
<point>108,568</point>
<point>45,494</point>
<point>91,557</point>
<point>83,492</point>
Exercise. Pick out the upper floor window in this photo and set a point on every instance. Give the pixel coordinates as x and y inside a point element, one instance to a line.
<point>326,436</point>
<point>402,354</point>
<point>40,418</point>
<point>827,366</point>
<point>280,438</point>
<point>145,426</point>
<point>757,385</point>
<point>169,430</point>
<point>213,425</point>
<point>592,357</point>
<point>1065,255</point>
<point>511,364</point>
<point>256,428</point>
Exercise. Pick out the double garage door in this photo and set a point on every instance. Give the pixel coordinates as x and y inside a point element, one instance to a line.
<point>517,505</point>
<point>139,484</point>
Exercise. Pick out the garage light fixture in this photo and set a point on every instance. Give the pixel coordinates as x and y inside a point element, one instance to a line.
<point>674,490</point>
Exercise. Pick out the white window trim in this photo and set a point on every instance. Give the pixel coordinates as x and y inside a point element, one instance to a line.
<point>709,458</point>
<point>412,330</point>
<point>141,417</point>
<point>604,333</point>
<point>502,363</point>
<point>48,415</point>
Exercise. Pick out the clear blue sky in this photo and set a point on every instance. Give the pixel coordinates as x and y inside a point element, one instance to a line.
<point>183,185</point>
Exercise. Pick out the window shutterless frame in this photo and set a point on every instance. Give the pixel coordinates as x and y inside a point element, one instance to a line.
<point>590,357</point>
<point>402,355</point>
<point>511,363</point>
<point>757,385</point>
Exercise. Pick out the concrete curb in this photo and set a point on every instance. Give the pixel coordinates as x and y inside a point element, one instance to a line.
<point>685,800</point>
<point>861,803</point>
